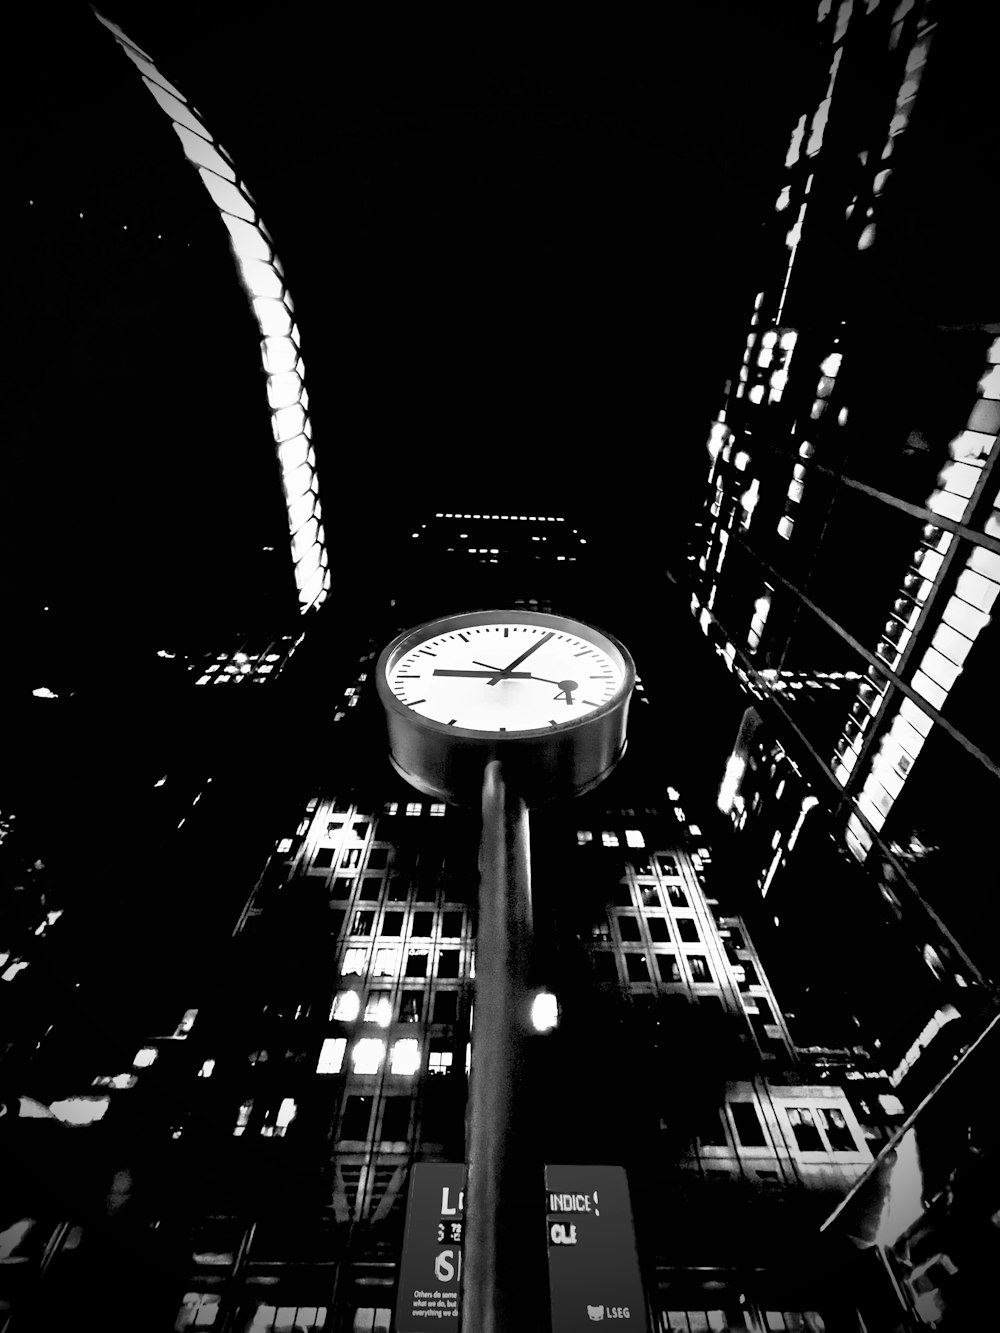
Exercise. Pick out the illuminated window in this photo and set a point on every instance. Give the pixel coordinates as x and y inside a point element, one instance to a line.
<point>544,1012</point>
<point>390,807</point>
<point>583,837</point>
<point>346,1006</point>
<point>609,839</point>
<point>386,962</point>
<point>198,1310</point>
<point>354,962</point>
<point>668,967</point>
<point>807,1135</point>
<point>371,1319</point>
<point>331,1056</point>
<point>363,923</point>
<point>121,1082</point>
<point>242,1117</point>
<point>207,1069</point>
<point>404,1057</point>
<point>411,1006</point>
<point>437,809</point>
<point>288,1319</point>
<point>145,1057</point>
<point>699,969</point>
<point>413,807</point>
<point>634,838</point>
<point>378,1008</point>
<point>368,1055</point>
<point>439,1062</point>
<point>837,1130</point>
<point>276,1122</point>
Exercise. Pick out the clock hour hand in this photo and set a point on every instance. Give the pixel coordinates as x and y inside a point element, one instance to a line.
<point>509,670</point>
<point>517,675</point>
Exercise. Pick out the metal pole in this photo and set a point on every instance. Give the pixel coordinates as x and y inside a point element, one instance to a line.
<point>497,1276</point>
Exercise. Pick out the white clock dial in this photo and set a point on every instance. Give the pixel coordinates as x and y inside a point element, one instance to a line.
<point>505,675</point>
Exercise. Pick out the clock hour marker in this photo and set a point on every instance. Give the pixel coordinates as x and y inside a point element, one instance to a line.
<point>402,677</point>
<point>414,702</point>
<point>583,653</point>
<point>591,702</point>
<point>553,722</point>
<point>506,632</point>
<point>452,722</point>
<point>464,638</point>
<point>428,652</point>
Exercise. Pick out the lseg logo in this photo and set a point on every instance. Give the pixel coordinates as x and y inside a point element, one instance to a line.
<point>596,1312</point>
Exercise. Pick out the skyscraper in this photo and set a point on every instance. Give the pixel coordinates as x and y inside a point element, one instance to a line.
<point>851,535</point>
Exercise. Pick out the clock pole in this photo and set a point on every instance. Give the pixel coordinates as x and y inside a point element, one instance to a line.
<point>504,1255</point>
<point>501,1192</point>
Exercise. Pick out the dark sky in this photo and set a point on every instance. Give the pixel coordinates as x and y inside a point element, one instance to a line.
<point>521,257</point>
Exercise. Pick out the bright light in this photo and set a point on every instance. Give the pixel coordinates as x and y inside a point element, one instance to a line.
<point>368,1055</point>
<point>80,1110</point>
<point>404,1057</point>
<point>544,1011</point>
<point>346,1006</point>
<point>890,1104</point>
<point>262,278</point>
<point>331,1055</point>
<point>43,692</point>
<point>145,1057</point>
<point>379,1011</point>
<point>286,1114</point>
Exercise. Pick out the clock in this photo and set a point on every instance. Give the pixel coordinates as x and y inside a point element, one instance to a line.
<point>547,694</point>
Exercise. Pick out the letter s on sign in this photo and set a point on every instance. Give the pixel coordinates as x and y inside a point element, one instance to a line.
<point>444,1269</point>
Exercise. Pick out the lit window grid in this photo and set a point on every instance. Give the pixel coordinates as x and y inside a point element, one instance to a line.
<point>263,279</point>
<point>246,663</point>
<point>721,979</point>
<point>965,614</point>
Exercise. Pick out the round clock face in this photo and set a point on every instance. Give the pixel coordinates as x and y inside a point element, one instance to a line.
<point>505,671</point>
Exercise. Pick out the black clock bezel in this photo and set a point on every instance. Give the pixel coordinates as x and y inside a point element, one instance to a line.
<point>391,654</point>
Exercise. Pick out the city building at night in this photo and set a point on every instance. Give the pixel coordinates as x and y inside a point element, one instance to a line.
<point>851,534</point>
<point>238,953</point>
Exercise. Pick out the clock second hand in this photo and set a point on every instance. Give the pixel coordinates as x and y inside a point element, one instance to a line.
<point>567,686</point>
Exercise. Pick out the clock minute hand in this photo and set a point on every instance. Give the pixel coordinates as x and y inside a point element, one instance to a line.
<point>508,670</point>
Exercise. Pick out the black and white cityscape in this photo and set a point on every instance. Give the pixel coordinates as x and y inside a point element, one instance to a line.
<point>329,325</point>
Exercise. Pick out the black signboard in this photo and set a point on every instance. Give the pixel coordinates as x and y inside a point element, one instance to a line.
<point>431,1264</point>
<point>593,1265</point>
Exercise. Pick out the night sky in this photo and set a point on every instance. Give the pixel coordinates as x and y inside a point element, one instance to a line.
<point>521,259</point>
